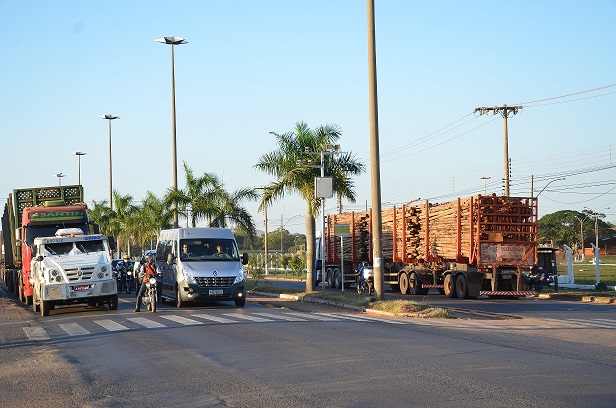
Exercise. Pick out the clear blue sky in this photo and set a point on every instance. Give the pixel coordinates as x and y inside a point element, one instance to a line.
<point>252,67</point>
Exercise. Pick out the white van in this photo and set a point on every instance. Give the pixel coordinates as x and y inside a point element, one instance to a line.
<point>201,264</point>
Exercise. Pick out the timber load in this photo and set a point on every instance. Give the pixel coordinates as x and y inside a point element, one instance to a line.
<point>470,230</point>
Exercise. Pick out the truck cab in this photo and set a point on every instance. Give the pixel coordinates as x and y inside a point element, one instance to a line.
<point>72,267</point>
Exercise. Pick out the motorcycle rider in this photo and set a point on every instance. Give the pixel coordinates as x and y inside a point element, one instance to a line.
<point>360,274</point>
<point>123,269</point>
<point>148,270</point>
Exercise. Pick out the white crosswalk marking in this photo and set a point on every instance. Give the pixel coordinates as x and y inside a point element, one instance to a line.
<point>182,320</point>
<point>73,329</point>
<point>591,323</point>
<point>150,324</point>
<point>312,316</point>
<point>36,333</point>
<point>248,317</point>
<point>282,316</point>
<point>610,322</point>
<point>214,318</point>
<point>110,325</point>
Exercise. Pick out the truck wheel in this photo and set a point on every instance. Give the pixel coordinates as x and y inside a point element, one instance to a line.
<point>413,283</point>
<point>20,290</point>
<point>461,287</point>
<point>113,302</point>
<point>330,279</point>
<point>178,299</point>
<point>35,303</point>
<point>403,281</point>
<point>28,300</point>
<point>449,286</point>
<point>337,280</point>
<point>45,307</point>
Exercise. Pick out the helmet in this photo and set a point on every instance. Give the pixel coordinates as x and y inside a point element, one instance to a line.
<point>540,268</point>
<point>126,258</point>
<point>364,263</point>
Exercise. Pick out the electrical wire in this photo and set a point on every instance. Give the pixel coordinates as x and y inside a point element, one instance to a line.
<point>567,95</point>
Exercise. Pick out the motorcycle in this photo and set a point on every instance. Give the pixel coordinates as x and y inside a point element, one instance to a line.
<point>120,279</point>
<point>151,294</point>
<point>129,281</point>
<point>366,285</point>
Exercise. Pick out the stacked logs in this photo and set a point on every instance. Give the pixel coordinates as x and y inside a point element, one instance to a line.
<point>497,219</point>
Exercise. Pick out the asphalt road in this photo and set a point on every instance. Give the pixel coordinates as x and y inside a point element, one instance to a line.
<point>275,353</point>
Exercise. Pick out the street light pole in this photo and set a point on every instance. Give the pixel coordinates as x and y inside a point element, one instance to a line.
<point>109,119</point>
<point>59,176</point>
<point>173,41</point>
<point>79,154</point>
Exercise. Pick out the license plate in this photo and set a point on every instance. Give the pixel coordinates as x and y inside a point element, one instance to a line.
<point>216,292</point>
<point>82,287</point>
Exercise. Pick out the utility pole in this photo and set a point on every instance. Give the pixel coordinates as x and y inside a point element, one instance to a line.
<point>504,111</point>
<point>375,164</point>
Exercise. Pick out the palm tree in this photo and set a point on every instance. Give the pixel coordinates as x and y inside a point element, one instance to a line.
<point>152,216</point>
<point>123,223</point>
<point>205,198</point>
<point>293,178</point>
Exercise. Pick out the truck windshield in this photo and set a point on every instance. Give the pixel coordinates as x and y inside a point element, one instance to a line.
<point>90,246</point>
<point>59,248</point>
<point>209,249</point>
<point>49,230</point>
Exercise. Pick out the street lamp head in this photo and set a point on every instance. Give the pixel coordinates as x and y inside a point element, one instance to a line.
<point>171,40</point>
<point>79,153</point>
<point>110,117</point>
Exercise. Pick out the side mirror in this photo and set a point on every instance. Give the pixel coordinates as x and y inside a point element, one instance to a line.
<point>245,258</point>
<point>112,243</point>
<point>95,228</point>
<point>39,258</point>
<point>170,259</point>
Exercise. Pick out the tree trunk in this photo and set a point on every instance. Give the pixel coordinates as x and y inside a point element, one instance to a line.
<point>310,252</point>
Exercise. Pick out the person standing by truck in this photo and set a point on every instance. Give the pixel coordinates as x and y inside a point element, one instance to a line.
<point>148,270</point>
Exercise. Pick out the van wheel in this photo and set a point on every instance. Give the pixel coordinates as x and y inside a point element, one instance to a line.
<point>178,299</point>
<point>240,302</point>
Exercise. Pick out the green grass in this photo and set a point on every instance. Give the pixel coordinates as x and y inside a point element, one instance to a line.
<point>584,273</point>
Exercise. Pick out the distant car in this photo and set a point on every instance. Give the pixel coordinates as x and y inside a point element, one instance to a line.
<point>114,264</point>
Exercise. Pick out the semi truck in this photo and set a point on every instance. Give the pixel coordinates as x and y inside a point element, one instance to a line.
<point>37,212</point>
<point>71,267</point>
<point>479,245</point>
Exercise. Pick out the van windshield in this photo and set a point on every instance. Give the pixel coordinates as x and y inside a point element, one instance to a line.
<point>209,249</point>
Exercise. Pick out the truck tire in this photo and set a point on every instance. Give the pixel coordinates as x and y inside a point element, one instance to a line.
<point>449,286</point>
<point>113,302</point>
<point>462,287</point>
<point>403,281</point>
<point>35,302</point>
<point>45,307</point>
<point>337,279</point>
<point>28,300</point>
<point>20,290</point>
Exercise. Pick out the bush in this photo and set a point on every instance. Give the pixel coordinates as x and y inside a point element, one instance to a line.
<point>601,286</point>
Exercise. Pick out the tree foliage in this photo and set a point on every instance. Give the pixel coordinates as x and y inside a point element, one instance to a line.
<point>563,227</point>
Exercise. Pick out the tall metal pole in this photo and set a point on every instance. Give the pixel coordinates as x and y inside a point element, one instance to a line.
<point>109,118</point>
<point>375,171</point>
<point>323,228</point>
<point>79,154</point>
<point>110,169</point>
<point>173,41</point>
<point>173,137</point>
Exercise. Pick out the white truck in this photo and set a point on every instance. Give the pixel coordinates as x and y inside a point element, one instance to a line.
<point>72,267</point>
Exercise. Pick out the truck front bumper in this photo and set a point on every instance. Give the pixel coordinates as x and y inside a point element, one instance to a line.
<point>69,291</point>
<point>192,292</point>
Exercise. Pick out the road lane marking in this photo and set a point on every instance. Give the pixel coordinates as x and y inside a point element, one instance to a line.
<point>73,329</point>
<point>282,316</point>
<point>214,318</point>
<point>150,324</point>
<point>182,320</point>
<point>590,323</point>
<point>312,316</point>
<point>36,333</point>
<point>249,317</point>
<point>110,325</point>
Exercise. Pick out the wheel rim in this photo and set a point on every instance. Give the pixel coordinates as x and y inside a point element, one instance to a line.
<point>404,283</point>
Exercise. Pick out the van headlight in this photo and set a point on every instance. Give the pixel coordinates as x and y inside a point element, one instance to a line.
<point>239,277</point>
<point>188,277</point>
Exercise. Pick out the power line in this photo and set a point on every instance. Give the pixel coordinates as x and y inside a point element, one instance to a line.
<point>565,96</point>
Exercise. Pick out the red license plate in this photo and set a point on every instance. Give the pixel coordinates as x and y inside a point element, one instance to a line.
<point>82,287</point>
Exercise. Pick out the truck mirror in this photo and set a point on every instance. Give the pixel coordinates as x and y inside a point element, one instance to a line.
<point>39,258</point>
<point>245,258</point>
<point>95,228</point>
<point>112,243</point>
<point>170,259</point>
